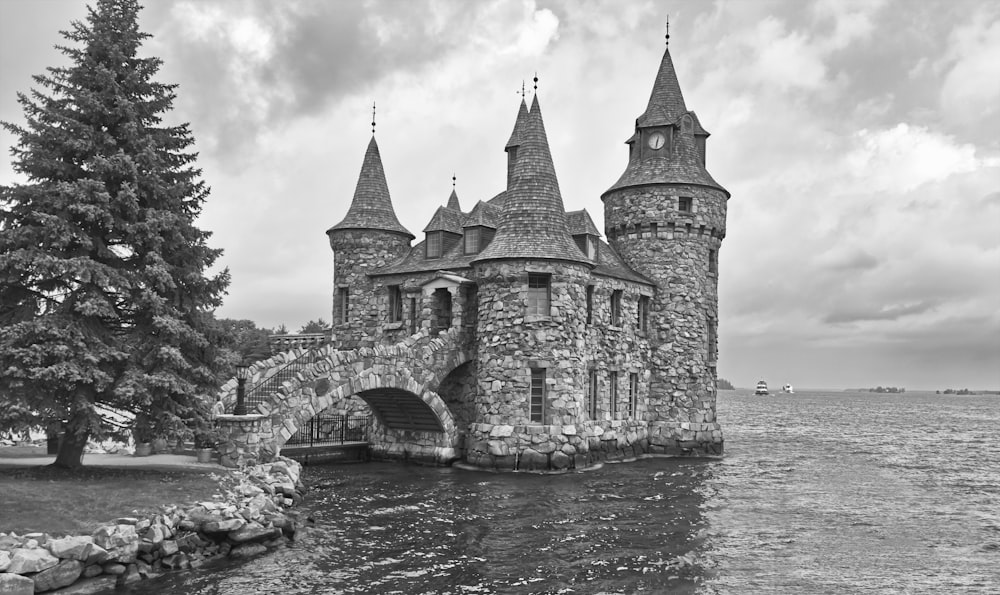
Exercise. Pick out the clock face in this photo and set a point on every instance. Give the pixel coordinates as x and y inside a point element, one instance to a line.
<point>656,140</point>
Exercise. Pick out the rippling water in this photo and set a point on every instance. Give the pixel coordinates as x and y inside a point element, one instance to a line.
<point>819,492</point>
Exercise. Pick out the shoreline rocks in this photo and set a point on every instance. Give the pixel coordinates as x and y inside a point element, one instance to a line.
<point>251,517</point>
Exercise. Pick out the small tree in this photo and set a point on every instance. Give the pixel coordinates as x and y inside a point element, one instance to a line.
<point>104,297</point>
<point>315,326</point>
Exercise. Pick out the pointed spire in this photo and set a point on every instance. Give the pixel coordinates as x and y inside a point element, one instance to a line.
<point>533,219</point>
<point>666,102</point>
<point>453,199</point>
<point>371,207</point>
<point>522,117</point>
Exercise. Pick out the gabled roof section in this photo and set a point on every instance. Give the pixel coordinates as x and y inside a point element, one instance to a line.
<point>446,219</point>
<point>371,207</point>
<point>666,102</point>
<point>533,219</point>
<point>484,215</point>
<point>519,123</point>
<point>579,222</point>
<point>611,264</point>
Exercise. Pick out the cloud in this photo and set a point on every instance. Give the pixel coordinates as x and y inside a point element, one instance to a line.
<point>970,93</point>
<point>877,312</point>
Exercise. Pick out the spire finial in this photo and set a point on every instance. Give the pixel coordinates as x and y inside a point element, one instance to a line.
<point>668,29</point>
<point>536,82</point>
<point>522,89</point>
<point>373,118</point>
<point>453,179</point>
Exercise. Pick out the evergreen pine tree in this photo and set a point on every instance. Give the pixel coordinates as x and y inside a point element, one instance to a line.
<point>104,293</point>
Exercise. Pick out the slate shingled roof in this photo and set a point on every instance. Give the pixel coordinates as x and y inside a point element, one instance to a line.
<point>453,201</point>
<point>579,222</point>
<point>446,219</point>
<point>371,207</point>
<point>483,214</point>
<point>519,123</point>
<point>683,166</point>
<point>533,220</point>
<point>666,102</point>
<point>610,264</point>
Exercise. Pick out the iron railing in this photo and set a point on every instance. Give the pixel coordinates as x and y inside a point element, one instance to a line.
<point>259,393</point>
<point>328,429</point>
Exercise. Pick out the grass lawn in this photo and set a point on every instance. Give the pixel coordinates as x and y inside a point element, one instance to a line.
<point>60,502</point>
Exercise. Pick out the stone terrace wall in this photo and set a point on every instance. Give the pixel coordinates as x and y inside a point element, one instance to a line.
<point>251,518</point>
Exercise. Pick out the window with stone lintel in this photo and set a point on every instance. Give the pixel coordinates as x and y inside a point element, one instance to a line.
<point>539,296</point>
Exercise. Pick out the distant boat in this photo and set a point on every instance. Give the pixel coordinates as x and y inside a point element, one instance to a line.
<point>761,388</point>
<point>787,388</point>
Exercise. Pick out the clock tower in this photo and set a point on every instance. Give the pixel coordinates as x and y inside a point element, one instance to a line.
<point>666,217</point>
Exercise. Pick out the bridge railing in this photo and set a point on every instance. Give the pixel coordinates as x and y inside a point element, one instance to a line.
<point>259,393</point>
<point>327,429</point>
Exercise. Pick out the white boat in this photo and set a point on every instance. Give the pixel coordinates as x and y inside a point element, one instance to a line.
<point>761,388</point>
<point>787,388</point>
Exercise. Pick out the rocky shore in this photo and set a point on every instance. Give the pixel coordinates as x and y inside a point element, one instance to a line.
<point>252,516</point>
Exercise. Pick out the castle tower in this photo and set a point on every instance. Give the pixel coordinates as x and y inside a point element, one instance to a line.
<point>370,236</point>
<point>666,216</point>
<point>530,329</point>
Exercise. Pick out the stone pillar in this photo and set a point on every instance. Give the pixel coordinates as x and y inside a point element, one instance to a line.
<point>245,439</point>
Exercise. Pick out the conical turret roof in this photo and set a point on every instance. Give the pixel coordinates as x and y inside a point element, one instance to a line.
<point>519,124</point>
<point>533,219</point>
<point>666,102</point>
<point>371,207</point>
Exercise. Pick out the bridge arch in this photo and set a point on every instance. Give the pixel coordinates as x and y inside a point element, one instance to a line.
<point>399,383</point>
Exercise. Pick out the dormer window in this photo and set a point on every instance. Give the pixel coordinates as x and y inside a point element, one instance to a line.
<point>587,244</point>
<point>472,240</point>
<point>433,244</point>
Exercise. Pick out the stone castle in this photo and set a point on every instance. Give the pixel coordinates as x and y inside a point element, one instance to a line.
<point>579,348</point>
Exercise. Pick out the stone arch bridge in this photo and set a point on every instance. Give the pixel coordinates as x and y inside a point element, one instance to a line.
<point>399,383</point>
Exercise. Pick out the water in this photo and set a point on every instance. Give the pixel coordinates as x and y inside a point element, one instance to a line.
<point>819,492</point>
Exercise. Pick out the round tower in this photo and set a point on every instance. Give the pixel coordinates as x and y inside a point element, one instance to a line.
<point>370,236</point>
<point>532,281</point>
<point>666,216</point>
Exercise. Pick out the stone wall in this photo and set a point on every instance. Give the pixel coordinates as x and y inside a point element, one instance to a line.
<point>356,253</point>
<point>250,518</point>
<point>684,312</point>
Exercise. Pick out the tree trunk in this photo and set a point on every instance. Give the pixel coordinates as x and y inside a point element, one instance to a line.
<point>71,450</point>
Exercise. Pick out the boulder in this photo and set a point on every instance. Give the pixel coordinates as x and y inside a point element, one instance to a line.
<point>125,553</point>
<point>254,532</point>
<point>4,560</point>
<point>61,575</point>
<point>15,584</point>
<point>23,561</point>
<point>71,548</point>
<point>113,536</point>
<point>224,526</point>
<point>92,570</point>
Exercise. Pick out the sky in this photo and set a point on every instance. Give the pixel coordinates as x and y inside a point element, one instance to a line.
<point>860,141</point>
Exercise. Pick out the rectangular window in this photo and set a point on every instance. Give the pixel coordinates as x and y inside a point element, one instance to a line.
<point>712,341</point>
<point>592,406</point>
<point>343,299</point>
<point>613,394</point>
<point>433,244</point>
<point>633,393</point>
<point>616,307</point>
<point>653,230</point>
<point>685,204</point>
<point>472,240</point>
<point>537,405</point>
<point>413,315</point>
<point>590,304</point>
<point>713,261</point>
<point>642,314</point>
<point>538,294</point>
<point>395,303</point>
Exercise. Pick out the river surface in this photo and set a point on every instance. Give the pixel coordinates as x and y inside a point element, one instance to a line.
<point>818,492</point>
